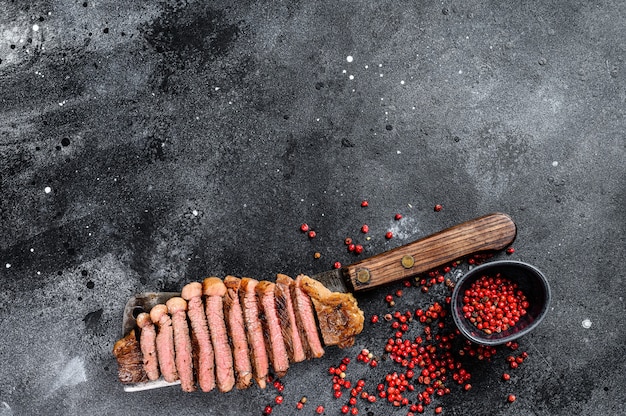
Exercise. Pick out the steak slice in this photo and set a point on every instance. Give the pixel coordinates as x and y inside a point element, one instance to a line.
<point>303,307</point>
<point>214,291</point>
<point>164,342</point>
<point>177,308</point>
<point>338,314</point>
<point>148,346</point>
<point>203,349</point>
<point>287,315</point>
<point>129,360</point>
<point>271,328</point>
<point>237,330</point>
<point>254,330</point>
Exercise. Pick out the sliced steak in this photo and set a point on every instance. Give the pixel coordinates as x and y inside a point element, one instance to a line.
<point>254,330</point>
<point>287,316</point>
<point>306,316</point>
<point>164,342</point>
<point>237,330</point>
<point>271,328</point>
<point>129,360</point>
<point>177,308</point>
<point>148,346</point>
<point>203,348</point>
<point>214,290</point>
<point>338,314</point>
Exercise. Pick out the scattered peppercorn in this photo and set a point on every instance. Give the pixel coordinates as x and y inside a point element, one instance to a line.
<point>304,227</point>
<point>397,217</point>
<point>312,234</point>
<point>358,249</point>
<point>337,265</point>
<point>513,345</point>
<point>511,398</point>
<point>389,235</point>
<point>438,207</point>
<point>426,363</point>
<point>510,250</point>
<point>365,229</point>
<point>319,410</point>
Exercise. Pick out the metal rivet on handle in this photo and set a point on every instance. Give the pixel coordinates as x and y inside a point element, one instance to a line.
<point>363,276</point>
<point>408,261</point>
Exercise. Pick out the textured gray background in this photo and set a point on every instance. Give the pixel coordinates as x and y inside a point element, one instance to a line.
<point>184,139</point>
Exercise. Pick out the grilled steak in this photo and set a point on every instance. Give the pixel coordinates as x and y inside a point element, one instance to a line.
<point>205,358</point>
<point>177,307</point>
<point>214,291</point>
<point>256,342</point>
<point>237,330</point>
<point>148,346</point>
<point>287,316</point>
<point>271,328</point>
<point>129,360</point>
<point>164,342</point>
<point>339,317</point>
<point>306,316</point>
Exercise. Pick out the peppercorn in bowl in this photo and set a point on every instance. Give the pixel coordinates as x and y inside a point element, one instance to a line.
<point>500,301</point>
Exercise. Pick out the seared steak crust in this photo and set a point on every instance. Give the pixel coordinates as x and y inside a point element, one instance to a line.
<point>338,314</point>
<point>129,359</point>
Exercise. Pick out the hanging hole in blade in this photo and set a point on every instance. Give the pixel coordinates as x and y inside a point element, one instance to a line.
<point>137,310</point>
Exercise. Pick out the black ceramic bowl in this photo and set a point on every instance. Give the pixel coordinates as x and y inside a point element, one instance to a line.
<point>528,278</point>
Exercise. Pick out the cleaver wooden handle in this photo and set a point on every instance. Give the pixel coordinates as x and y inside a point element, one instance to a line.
<point>490,232</point>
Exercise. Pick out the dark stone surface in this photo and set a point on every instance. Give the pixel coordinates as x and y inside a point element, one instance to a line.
<point>182,139</point>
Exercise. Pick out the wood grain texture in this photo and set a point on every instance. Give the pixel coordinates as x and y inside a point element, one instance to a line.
<point>490,232</point>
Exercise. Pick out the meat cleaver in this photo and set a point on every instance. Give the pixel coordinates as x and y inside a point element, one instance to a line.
<point>487,233</point>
